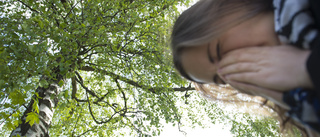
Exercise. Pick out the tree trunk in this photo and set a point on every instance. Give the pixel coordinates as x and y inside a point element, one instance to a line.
<point>47,101</point>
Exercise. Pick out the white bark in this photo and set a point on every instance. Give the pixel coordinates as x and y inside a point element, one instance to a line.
<point>46,109</point>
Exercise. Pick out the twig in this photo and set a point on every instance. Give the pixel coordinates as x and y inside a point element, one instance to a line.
<point>28,6</point>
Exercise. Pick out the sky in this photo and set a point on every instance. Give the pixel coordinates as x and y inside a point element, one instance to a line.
<point>216,130</point>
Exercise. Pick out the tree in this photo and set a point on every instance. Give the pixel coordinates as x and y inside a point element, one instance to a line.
<point>106,56</point>
<point>88,68</point>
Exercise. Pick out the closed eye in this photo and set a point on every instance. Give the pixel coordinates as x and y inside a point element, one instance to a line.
<point>209,54</point>
<point>218,51</point>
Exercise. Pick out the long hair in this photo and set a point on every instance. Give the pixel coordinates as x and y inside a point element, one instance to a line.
<point>204,22</point>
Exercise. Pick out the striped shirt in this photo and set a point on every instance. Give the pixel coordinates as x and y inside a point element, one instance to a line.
<point>294,23</point>
<point>296,26</point>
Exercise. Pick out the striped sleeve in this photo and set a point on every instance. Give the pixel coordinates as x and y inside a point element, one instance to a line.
<point>294,23</point>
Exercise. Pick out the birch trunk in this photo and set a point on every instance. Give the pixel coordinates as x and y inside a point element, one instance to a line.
<point>47,102</point>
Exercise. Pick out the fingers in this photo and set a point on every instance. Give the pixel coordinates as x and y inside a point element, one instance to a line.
<point>238,67</point>
<point>240,77</point>
<point>240,55</point>
<point>274,96</point>
<point>251,78</point>
<point>241,72</point>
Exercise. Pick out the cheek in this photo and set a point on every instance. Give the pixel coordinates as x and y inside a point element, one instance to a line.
<point>200,70</point>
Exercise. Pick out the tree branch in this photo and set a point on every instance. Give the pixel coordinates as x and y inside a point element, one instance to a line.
<point>87,50</point>
<point>134,127</point>
<point>28,6</point>
<point>74,87</point>
<point>90,110</point>
<point>71,10</point>
<point>100,99</point>
<point>124,98</point>
<point>134,83</point>
<point>80,81</point>
<point>76,123</point>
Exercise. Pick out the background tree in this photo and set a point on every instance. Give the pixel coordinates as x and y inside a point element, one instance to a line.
<point>91,67</point>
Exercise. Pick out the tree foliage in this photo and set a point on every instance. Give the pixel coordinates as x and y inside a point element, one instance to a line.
<point>104,64</point>
<point>247,126</point>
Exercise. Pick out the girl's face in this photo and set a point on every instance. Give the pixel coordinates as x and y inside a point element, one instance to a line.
<point>200,62</point>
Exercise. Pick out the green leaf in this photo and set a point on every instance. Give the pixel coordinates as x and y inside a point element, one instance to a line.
<point>32,118</point>
<point>35,106</point>
<point>16,123</point>
<point>66,94</point>
<point>63,25</point>
<point>61,83</point>
<point>16,97</point>
<point>44,83</point>
<point>40,24</point>
<point>37,95</point>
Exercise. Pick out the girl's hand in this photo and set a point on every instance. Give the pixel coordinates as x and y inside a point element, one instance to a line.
<point>279,68</point>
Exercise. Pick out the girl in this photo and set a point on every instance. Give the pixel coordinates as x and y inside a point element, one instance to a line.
<point>209,40</point>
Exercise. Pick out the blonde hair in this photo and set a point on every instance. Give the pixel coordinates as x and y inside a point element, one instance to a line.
<point>259,105</point>
<point>202,23</point>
